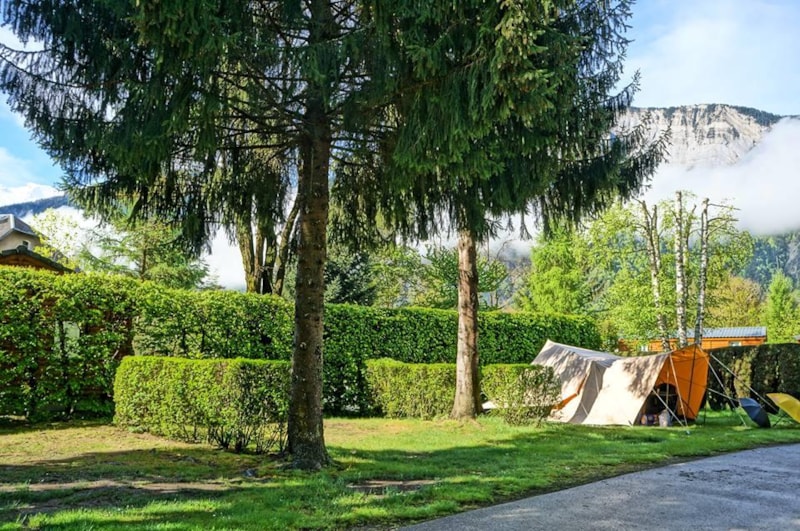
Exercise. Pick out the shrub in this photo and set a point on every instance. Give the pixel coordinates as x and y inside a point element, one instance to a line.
<point>522,393</point>
<point>61,337</point>
<point>764,369</point>
<point>400,389</point>
<point>232,403</point>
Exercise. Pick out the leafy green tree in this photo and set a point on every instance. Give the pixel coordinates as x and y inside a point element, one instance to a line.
<point>397,272</point>
<point>349,277</point>
<point>508,109</point>
<point>146,250</point>
<point>618,243</point>
<point>439,277</point>
<point>781,310</point>
<point>736,301</point>
<point>559,277</point>
<point>61,237</point>
<point>152,101</point>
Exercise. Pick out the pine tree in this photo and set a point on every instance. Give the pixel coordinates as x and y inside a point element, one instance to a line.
<point>503,108</point>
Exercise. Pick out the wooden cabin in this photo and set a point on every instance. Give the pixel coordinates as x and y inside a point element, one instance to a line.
<point>743,336</point>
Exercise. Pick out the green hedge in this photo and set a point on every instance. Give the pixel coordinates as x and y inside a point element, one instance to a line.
<point>62,336</point>
<point>424,390</point>
<point>766,368</point>
<point>355,334</point>
<point>523,393</point>
<point>231,403</point>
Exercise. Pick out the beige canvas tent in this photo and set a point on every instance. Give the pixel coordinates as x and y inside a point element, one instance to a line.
<point>601,388</point>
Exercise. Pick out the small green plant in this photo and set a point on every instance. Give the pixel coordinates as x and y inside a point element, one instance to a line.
<point>522,394</point>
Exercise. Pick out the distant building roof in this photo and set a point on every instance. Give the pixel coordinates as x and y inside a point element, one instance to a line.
<point>725,333</point>
<point>741,331</point>
<point>10,223</point>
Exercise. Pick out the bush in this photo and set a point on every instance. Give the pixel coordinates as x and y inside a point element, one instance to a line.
<point>231,403</point>
<point>61,337</point>
<point>522,393</point>
<point>400,389</point>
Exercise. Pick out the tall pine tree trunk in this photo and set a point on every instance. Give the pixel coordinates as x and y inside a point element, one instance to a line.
<point>702,275</point>
<point>244,238</point>
<point>467,403</point>
<point>306,442</point>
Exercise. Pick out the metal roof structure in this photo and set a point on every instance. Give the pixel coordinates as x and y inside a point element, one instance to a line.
<point>741,331</point>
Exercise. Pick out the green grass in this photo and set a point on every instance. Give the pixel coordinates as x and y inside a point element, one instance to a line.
<point>388,473</point>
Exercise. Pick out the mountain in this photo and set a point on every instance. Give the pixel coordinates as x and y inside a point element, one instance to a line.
<point>29,209</point>
<point>708,135</point>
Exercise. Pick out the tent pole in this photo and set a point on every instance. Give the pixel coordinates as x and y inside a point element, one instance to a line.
<point>691,375</point>
<point>722,386</point>
<point>736,376</point>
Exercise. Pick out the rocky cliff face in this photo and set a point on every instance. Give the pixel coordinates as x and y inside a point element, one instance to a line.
<point>708,135</point>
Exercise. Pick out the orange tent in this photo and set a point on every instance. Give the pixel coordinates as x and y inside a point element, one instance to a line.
<point>601,388</point>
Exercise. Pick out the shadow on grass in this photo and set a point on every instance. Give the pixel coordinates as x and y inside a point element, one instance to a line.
<point>190,488</point>
<point>12,425</point>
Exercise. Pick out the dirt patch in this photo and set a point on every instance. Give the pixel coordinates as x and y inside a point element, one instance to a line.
<point>383,486</point>
<point>165,487</point>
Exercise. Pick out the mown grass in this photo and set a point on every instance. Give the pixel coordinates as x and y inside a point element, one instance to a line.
<point>388,472</point>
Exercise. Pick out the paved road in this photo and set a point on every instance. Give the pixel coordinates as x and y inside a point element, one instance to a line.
<point>756,489</point>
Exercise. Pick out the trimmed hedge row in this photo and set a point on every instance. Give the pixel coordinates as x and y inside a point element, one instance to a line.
<point>416,390</point>
<point>239,403</point>
<point>766,368</point>
<point>62,336</point>
<point>231,403</point>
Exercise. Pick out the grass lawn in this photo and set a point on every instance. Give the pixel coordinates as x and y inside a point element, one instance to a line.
<point>85,475</point>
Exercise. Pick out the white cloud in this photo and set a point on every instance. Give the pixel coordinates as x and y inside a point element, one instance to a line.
<point>764,185</point>
<point>10,195</point>
<point>225,263</point>
<point>740,52</point>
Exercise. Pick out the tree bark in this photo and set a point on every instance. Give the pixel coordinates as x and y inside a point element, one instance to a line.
<point>702,275</point>
<point>283,248</point>
<point>306,442</point>
<point>467,403</point>
<point>244,238</point>
<point>680,270</point>
<point>653,243</point>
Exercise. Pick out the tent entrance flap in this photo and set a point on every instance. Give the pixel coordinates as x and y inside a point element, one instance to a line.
<point>601,388</point>
<point>687,371</point>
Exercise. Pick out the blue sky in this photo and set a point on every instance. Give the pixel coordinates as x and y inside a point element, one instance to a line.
<point>741,52</point>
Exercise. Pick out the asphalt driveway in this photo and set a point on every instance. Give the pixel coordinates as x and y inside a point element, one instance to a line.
<point>755,489</point>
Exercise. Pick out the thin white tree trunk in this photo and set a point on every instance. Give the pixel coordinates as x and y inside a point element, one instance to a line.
<point>680,270</point>
<point>702,275</point>
<point>653,242</point>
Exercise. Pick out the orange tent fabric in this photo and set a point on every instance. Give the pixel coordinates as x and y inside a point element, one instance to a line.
<point>687,370</point>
